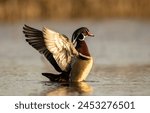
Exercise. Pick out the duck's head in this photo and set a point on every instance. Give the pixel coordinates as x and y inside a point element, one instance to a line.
<point>80,34</point>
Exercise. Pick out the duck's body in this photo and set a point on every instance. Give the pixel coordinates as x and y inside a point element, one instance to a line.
<point>83,64</point>
<point>81,69</point>
<point>71,59</point>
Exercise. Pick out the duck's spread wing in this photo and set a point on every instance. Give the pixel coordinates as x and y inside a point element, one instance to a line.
<point>56,47</point>
<point>61,48</point>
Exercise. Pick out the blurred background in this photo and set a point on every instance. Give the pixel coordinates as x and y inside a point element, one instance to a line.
<point>23,10</point>
<point>121,47</point>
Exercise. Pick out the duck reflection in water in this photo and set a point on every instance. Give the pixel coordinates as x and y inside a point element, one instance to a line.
<point>70,89</point>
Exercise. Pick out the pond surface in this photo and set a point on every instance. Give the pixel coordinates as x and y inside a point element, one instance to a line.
<point>121,52</point>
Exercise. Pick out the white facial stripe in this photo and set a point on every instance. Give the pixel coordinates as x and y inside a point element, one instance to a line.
<point>74,41</point>
<point>83,37</point>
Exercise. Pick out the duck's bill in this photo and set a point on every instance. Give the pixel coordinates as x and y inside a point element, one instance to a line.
<point>90,34</point>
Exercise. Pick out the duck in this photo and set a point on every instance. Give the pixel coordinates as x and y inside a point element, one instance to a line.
<point>70,58</point>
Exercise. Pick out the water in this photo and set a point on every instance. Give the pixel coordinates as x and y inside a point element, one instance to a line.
<point>121,52</point>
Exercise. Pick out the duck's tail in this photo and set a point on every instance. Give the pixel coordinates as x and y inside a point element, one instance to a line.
<point>63,77</point>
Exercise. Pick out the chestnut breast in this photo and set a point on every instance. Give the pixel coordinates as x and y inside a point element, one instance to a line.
<point>83,63</point>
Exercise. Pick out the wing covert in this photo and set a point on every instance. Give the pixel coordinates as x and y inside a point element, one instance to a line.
<point>60,46</point>
<point>56,47</point>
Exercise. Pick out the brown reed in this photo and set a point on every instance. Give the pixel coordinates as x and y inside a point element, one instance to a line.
<point>14,10</point>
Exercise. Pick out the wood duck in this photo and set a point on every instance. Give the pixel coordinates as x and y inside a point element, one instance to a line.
<point>70,58</point>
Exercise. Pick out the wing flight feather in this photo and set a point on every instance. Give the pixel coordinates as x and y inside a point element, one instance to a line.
<point>60,46</point>
<point>56,47</point>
